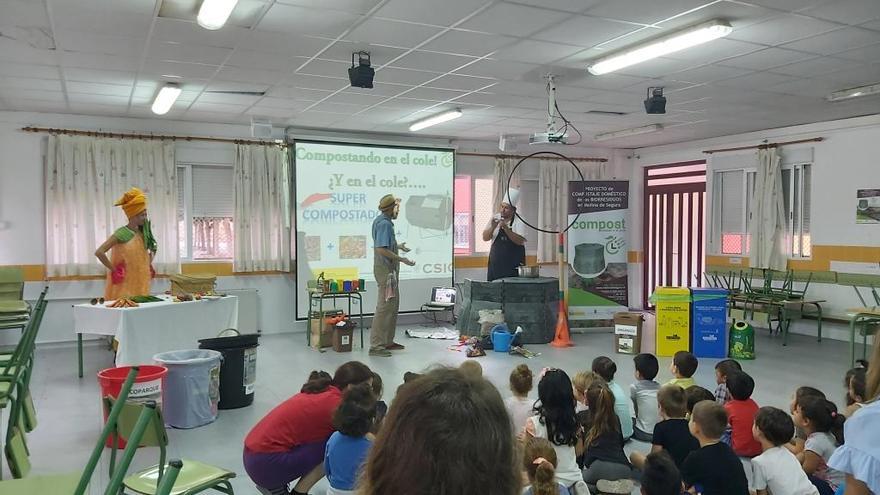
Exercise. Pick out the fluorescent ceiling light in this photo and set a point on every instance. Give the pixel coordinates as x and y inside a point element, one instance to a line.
<point>846,94</point>
<point>674,42</point>
<point>166,98</point>
<point>635,131</point>
<point>213,14</point>
<point>436,119</point>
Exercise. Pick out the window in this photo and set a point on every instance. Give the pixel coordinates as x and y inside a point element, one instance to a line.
<point>204,212</point>
<point>472,210</point>
<point>732,196</point>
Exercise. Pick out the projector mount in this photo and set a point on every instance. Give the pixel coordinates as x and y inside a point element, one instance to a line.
<point>554,134</point>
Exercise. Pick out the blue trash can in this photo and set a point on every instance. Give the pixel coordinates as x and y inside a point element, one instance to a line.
<point>709,322</point>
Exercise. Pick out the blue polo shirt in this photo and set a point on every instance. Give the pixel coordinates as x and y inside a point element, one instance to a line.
<point>343,459</point>
<point>383,236</point>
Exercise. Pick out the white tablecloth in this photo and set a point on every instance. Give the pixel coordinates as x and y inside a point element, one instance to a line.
<point>157,327</point>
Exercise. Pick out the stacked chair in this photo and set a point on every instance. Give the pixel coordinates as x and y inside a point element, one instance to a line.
<point>14,311</point>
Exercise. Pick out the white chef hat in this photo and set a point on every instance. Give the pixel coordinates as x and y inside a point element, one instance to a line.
<point>511,198</point>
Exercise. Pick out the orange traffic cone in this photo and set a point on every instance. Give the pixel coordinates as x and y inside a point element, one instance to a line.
<point>562,338</point>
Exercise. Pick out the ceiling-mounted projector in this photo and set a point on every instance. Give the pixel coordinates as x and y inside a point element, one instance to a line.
<point>548,138</point>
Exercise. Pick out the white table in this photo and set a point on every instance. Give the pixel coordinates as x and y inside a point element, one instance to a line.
<point>152,328</point>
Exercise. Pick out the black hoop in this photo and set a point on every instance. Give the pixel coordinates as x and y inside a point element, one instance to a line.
<point>516,212</point>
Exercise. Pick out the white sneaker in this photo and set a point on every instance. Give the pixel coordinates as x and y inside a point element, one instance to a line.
<point>618,487</point>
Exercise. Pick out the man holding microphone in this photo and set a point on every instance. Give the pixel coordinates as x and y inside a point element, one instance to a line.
<point>508,249</point>
<point>386,269</point>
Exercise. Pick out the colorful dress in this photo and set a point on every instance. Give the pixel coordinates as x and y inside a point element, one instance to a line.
<point>130,258</point>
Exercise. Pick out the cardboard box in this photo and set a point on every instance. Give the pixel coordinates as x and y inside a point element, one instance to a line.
<point>342,338</point>
<point>322,332</point>
<point>627,332</point>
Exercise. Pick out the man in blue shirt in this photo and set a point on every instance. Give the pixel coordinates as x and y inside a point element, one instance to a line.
<point>386,269</point>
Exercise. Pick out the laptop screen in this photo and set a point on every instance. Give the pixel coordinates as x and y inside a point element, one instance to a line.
<point>443,295</point>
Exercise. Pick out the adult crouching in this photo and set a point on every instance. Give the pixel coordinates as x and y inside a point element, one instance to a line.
<point>288,443</point>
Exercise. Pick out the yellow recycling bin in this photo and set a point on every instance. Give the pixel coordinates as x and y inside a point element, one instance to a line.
<point>673,319</point>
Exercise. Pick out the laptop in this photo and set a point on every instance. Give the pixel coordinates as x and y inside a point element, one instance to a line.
<point>442,297</point>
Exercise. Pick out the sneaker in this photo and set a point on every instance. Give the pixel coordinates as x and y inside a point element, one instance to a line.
<point>394,346</point>
<point>618,487</point>
<point>380,352</point>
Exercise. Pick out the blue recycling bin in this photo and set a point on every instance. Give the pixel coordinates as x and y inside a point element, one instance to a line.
<point>709,322</point>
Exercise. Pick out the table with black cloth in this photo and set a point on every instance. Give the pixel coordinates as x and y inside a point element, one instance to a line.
<point>532,303</point>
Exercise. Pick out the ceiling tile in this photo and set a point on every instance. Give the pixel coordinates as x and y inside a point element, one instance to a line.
<point>98,61</point>
<point>96,109</point>
<point>782,29</point>
<point>286,44</point>
<point>228,99</point>
<point>378,89</point>
<point>30,83</point>
<point>605,81</point>
<point>98,88</point>
<point>584,31</point>
<point>574,6</point>
<point>271,112</point>
<point>434,94</point>
<point>403,76</point>
<point>283,103</point>
<point>715,50</point>
<point>638,11</point>
<point>468,43</point>
<point>359,99</point>
<point>426,12</point>
<point>817,66</point>
<point>379,54</point>
<point>97,43</point>
<point>707,73</point>
<point>30,105</point>
<point>185,70</point>
<point>463,83</point>
<point>847,11</point>
<point>536,52</point>
<point>249,59</point>
<point>29,70</point>
<point>31,94</point>
<point>229,73</point>
<point>872,25</point>
<point>317,67</point>
<point>391,33</point>
<point>658,67</point>
<point>299,94</point>
<point>99,76</point>
<point>816,88</point>
<point>433,62</point>
<point>738,14</point>
<point>835,41</point>
<point>765,59</point>
<point>317,83</point>
<point>184,52</point>
<point>515,20</point>
<point>99,99</point>
<point>865,74</point>
<point>101,21</point>
<point>788,5</point>
<point>756,80</point>
<point>870,53</point>
<point>22,52</point>
<point>200,106</point>
<point>353,6</point>
<point>304,20</point>
<point>189,32</point>
<point>499,69</point>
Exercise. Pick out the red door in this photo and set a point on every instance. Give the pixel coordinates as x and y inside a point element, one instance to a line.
<point>675,227</point>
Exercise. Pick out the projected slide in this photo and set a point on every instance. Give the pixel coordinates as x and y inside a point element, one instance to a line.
<point>338,188</point>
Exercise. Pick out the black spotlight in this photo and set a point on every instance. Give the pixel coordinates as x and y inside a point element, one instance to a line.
<point>361,74</point>
<point>655,102</point>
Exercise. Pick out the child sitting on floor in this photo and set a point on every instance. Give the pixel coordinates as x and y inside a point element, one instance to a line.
<point>796,446</point>
<point>539,461</point>
<point>694,394</point>
<point>381,406</point>
<point>823,426</point>
<point>606,368</point>
<point>671,434</point>
<point>472,369</point>
<point>777,470</point>
<point>683,367</point>
<point>660,476</point>
<point>644,396</point>
<point>555,421</point>
<point>348,447</point>
<point>713,469</point>
<point>519,407</point>
<point>722,369</point>
<point>854,381</point>
<point>741,411</point>
<point>581,383</point>
<point>604,458</point>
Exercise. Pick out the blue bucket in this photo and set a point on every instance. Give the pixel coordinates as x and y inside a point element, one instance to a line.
<point>501,338</point>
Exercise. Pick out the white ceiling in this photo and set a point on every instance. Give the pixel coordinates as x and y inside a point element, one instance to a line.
<point>108,57</point>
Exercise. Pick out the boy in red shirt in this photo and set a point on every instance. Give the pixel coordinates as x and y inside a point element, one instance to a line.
<point>741,412</point>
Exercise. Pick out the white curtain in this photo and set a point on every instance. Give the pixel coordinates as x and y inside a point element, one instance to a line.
<point>84,177</point>
<point>553,200</point>
<point>767,214</point>
<point>262,208</point>
<point>503,167</point>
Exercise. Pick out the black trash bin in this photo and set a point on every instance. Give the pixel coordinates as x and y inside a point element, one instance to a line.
<point>238,373</point>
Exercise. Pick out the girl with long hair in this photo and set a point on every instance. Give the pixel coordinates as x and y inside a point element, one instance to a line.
<point>604,458</point>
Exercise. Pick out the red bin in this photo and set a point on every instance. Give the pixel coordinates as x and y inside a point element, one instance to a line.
<point>147,386</point>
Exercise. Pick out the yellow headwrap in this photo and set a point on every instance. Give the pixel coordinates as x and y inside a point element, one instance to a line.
<point>133,202</point>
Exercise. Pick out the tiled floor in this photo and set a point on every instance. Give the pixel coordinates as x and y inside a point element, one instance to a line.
<point>69,411</point>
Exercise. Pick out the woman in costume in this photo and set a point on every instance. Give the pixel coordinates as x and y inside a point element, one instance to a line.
<point>132,248</point>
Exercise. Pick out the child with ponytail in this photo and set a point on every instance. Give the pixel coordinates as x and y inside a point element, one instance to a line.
<point>604,458</point>
<point>539,461</point>
<point>823,427</point>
